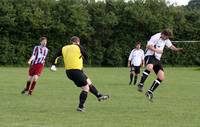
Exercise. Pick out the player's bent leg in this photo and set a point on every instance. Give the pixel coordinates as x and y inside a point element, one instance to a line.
<point>145,74</point>
<point>135,78</point>
<point>149,67</point>
<point>95,92</point>
<point>27,85</point>
<point>85,88</point>
<point>131,77</point>
<point>35,78</point>
<point>154,86</point>
<point>89,82</point>
<point>32,84</point>
<point>161,75</point>
<point>82,98</point>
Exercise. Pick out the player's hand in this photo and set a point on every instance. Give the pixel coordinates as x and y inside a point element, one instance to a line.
<point>129,65</point>
<point>180,49</point>
<point>143,65</point>
<point>53,68</point>
<point>159,51</point>
<point>29,62</point>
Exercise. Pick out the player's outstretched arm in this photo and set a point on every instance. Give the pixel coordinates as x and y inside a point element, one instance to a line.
<point>176,49</point>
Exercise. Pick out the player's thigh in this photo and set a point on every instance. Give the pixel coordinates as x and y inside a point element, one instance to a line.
<point>158,69</point>
<point>137,69</point>
<point>79,78</point>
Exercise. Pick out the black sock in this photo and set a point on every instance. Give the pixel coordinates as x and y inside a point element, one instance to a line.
<point>131,77</point>
<point>145,74</point>
<point>82,98</point>
<point>155,84</point>
<point>135,80</point>
<point>27,85</point>
<point>94,91</point>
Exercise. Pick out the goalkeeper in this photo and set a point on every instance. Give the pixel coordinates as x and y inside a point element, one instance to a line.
<point>73,55</point>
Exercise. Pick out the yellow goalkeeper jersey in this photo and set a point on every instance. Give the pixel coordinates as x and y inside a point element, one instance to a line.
<point>72,57</point>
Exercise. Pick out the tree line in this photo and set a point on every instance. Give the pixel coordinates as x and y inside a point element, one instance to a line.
<point>108,29</point>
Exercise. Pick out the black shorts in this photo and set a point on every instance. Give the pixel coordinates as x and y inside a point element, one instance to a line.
<point>136,69</point>
<point>78,76</point>
<point>151,59</point>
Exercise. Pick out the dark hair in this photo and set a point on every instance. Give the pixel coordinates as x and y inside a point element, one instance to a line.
<point>167,32</point>
<point>74,39</point>
<point>43,38</point>
<point>137,43</point>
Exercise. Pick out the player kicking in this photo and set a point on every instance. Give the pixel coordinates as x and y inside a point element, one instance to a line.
<point>73,55</point>
<point>154,50</point>
<point>135,60</point>
<point>36,63</point>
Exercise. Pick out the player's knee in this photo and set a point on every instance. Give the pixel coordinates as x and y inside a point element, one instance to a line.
<point>89,82</point>
<point>86,88</point>
<point>161,75</point>
<point>149,67</point>
<point>161,78</point>
<point>35,78</point>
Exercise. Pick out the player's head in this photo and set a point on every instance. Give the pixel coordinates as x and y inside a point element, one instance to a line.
<point>137,44</point>
<point>43,41</point>
<point>75,40</point>
<point>166,34</point>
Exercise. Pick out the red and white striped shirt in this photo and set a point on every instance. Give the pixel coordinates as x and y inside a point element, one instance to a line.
<point>39,55</point>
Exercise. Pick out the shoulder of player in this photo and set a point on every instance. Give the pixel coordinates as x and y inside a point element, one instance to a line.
<point>133,50</point>
<point>168,40</point>
<point>156,36</point>
<point>70,46</point>
<point>37,46</point>
<point>46,48</point>
<point>66,46</point>
<point>141,50</point>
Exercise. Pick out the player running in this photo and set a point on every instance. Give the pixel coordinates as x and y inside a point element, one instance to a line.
<point>135,61</point>
<point>73,55</point>
<point>36,63</point>
<point>154,50</point>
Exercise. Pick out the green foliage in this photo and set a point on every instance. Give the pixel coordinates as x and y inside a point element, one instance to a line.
<point>107,30</point>
<point>189,57</point>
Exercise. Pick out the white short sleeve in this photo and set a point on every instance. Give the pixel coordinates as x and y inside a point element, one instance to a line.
<point>168,43</point>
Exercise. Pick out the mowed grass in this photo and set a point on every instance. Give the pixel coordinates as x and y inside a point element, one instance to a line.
<point>54,102</point>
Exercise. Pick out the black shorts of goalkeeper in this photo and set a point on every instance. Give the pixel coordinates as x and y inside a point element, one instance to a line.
<point>77,76</point>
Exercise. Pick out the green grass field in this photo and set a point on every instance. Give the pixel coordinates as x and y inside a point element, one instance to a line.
<point>54,102</point>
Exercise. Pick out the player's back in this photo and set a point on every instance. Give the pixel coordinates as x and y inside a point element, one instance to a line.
<point>72,57</point>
